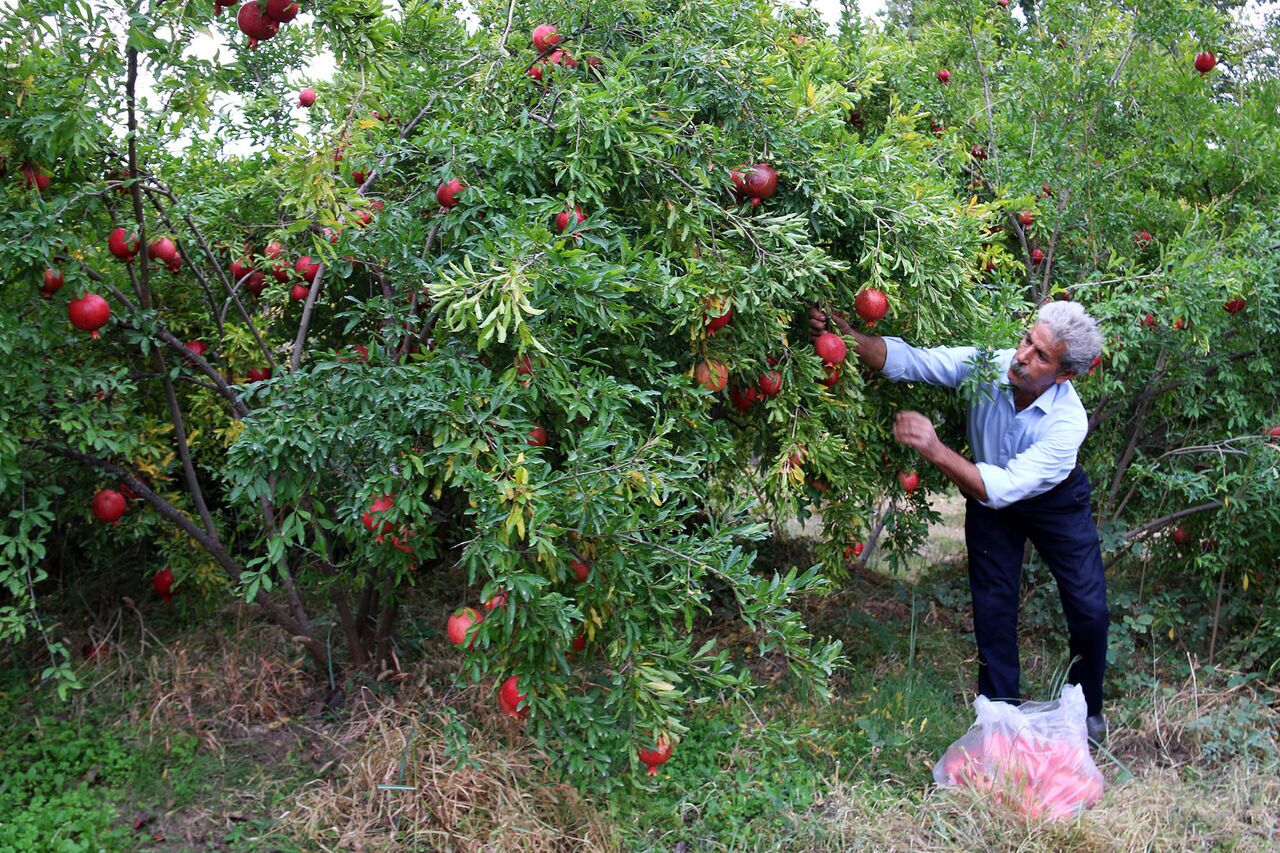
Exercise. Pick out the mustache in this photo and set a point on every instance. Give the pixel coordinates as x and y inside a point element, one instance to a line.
<point>1019,369</point>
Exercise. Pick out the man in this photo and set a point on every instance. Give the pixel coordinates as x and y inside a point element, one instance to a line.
<point>1024,431</point>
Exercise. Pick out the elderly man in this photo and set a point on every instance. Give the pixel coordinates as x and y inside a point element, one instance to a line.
<point>1024,431</point>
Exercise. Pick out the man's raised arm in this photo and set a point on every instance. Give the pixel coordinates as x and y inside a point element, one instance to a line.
<point>869,349</point>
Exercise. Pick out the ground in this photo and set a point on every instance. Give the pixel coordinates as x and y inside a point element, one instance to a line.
<point>197,739</point>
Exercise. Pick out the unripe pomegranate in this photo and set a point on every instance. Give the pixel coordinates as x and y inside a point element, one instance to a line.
<point>162,583</point>
<point>909,480</point>
<point>89,313</point>
<point>581,570</point>
<point>163,250</point>
<point>871,305</point>
<point>447,193</point>
<point>370,516</point>
<point>510,697</point>
<point>258,374</point>
<point>830,348</point>
<point>197,347</point>
<point>123,244</point>
<point>562,218</point>
<point>1025,218</point>
<point>656,757</point>
<point>306,97</point>
<point>52,283</point>
<point>460,623</point>
<point>944,77</point>
<point>1205,61</point>
<point>253,22</point>
<point>770,383</point>
<point>108,505</point>
<point>711,374</point>
<point>299,292</point>
<point>308,269</point>
<point>538,436</point>
<point>742,398</point>
<point>545,36</point>
<point>282,11</point>
<point>1037,255</point>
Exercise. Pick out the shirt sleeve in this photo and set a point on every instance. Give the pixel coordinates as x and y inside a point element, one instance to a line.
<point>946,366</point>
<point>1036,470</point>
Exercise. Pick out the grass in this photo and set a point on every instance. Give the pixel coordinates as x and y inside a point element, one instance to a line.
<point>218,739</point>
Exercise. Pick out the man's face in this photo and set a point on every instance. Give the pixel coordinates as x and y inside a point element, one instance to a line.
<point>1037,363</point>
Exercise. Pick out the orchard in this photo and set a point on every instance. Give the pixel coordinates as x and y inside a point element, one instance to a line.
<point>518,300</point>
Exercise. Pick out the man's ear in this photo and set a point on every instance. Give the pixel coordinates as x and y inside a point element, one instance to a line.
<point>1065,376</point>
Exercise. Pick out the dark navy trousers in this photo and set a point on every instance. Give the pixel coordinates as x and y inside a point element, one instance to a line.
<point>1060,525</point>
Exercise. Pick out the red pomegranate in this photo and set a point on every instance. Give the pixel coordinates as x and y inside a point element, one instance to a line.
<point>89,313</point>
<point>535,72</point>
<point>978,152</point>
<point>370,519</point>
<point>1143,238</point>
<point>581,570</point>
<point>282,11</point>
<point>1045,189</point>
<point>830,348</point>
<point>162,583</point>
<point>660,754</point>
<point>853,551</point>
<point>1205,61</point>
<point>299,292</point>
<point>1181,536</point>
<point>1233,306</point>
<point>560,57</point>
<point>770,384</point>
<point>545,37</point>
<point>1025,218</point>
<point>1037,255</point>
<point>538,436</point>
<point>254,22</point>
<point>579,641</point>
<point>714,324</point>
<point>256,283</point>
<point>758,182</point>
<point>832,375</point>
<point>510,697</point>
<point>562,218</point>
<point>871,305</point>
<point>258,374</point>
<point>52,283</point>
<point>742,398</point>
<point>447,193</point>
<point>308,269</point>
<point>1149,321</point>
<point>108,505</point>
<point>163,250</point>
<point>460,623</point>
<point>944,77</point>
<point>909,480</point>
<point>34,177</point>
<point>306,97</point>
<point>197,348</point>
<point>123,244</point>
<point>498,599</point>
<point>711,374</point>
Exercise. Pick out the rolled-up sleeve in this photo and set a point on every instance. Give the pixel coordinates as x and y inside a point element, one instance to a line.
<point>947,366</point>
<point>1043,465</point>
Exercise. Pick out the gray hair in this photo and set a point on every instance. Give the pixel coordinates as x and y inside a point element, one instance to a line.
<point>1069,324</point>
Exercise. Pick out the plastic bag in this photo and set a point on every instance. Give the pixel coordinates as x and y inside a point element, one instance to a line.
<point>1033,757</point>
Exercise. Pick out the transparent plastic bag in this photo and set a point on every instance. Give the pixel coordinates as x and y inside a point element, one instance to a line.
<point>1033,758</point>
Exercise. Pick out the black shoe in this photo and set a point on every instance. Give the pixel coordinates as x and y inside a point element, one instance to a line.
<point>1096,726</point>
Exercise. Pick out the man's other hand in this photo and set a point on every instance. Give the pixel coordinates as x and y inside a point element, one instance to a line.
<point>915,430</point>
<point>818,320</point>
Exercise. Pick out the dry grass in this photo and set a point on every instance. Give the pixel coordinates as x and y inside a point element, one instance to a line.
<point>398,786</point>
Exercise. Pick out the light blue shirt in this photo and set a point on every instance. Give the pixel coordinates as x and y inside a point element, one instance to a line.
<point>1019,454</point>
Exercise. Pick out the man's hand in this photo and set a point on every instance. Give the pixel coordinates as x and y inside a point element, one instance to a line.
<point>915,430</point>
<point>818,320</point>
